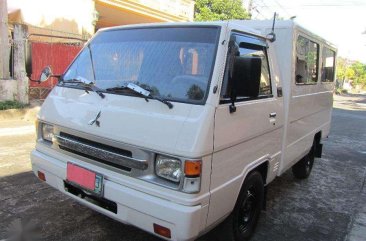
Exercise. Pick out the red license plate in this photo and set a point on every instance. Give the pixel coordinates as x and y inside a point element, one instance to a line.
<point>84,178</point>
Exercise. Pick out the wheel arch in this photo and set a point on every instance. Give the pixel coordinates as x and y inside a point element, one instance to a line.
<point>232,190</point>
<point>260,167</point>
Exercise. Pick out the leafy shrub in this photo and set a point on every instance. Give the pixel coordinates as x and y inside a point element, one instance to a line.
<point>11,104</point>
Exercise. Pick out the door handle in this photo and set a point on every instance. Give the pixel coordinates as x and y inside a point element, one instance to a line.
<point>272,115</point>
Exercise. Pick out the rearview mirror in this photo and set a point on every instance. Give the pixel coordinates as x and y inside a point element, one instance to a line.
<point>45,74</point>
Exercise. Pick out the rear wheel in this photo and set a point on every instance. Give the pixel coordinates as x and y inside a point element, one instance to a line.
<point>302,169</point>
<point>241,223</point>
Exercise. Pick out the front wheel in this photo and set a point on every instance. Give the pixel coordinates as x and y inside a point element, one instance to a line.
<point>241,223</point>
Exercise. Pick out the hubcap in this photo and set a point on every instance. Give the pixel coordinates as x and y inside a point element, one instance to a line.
<point>309,162</point>
<point>308,165</point>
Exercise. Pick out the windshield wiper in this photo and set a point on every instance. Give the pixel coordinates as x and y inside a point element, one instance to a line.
<point>162,100</point>
<point>139,90</point>
<point>88,86</point>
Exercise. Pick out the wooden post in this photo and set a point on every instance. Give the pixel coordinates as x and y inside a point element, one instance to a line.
<point>4,41</point>
<point>20,74</point>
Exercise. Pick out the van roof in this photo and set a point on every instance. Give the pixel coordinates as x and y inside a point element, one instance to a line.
<point>249,26</point>
<point>167,24</point>
<point>282,24</point>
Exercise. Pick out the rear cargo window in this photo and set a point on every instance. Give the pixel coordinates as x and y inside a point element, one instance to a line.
<point>307,59</point>
<point>328,62</point>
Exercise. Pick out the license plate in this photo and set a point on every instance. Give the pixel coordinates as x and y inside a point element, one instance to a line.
<point>85,179</point>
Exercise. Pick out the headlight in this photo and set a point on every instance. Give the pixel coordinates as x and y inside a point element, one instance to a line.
<point>168,168</point>
<point>47,132</point>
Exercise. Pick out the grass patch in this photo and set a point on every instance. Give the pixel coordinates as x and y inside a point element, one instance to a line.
<point>11,104</point>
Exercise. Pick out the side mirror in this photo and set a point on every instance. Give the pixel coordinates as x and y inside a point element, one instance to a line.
<point>45,74</point>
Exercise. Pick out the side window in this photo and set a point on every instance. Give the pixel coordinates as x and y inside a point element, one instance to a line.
<point>307,59</point>
<point>247,74</point>
<point>328,62</point>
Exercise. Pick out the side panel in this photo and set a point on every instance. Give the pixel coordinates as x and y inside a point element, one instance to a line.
<point>242,140</point>
<point>309,114</point>
<point>309,111</point>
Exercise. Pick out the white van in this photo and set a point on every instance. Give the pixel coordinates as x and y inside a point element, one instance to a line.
<point>175,128</point>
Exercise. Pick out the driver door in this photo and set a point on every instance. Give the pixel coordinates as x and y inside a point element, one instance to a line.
<point>248,122</point>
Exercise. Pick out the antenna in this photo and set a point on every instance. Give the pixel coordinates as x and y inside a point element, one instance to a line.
<point>272,36</point>
<point>274,21</point>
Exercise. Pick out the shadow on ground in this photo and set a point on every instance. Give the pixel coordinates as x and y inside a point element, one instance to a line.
<point>24,198</point>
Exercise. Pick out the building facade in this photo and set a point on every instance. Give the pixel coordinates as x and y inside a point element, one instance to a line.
<point>55,30</point>
<point>83,17</point>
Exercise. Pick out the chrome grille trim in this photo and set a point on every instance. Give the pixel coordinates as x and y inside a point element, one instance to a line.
<point>100,153</point>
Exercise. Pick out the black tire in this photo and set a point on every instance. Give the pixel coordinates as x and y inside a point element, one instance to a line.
<point>241,223</point>
<point>302,168</point>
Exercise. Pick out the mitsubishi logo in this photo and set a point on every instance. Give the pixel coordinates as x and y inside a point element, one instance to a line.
<point>95,120</point>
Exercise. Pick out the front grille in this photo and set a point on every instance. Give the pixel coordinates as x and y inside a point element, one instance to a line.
<point>99,152</point>
<point>127,169</point>
<point>97,144</point>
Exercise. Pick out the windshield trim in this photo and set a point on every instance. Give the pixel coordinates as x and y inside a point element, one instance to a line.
<point>193,102</point>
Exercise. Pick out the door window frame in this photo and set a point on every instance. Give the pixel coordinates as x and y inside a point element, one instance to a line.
<point>225,77</point>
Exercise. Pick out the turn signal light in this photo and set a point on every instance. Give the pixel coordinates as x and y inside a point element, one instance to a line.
<point>41,176</point>
<point>192,168</point>
<point>163,231</point>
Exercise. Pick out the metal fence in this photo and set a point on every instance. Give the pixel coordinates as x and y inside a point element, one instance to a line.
<point>48,47</point>
<point>56,55</point>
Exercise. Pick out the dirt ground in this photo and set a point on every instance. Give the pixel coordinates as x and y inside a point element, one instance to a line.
<point>323,207</point>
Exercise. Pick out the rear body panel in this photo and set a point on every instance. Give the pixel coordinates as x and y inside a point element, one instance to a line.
<point>307,108</point>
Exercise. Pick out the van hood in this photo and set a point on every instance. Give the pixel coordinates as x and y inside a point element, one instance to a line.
<point>184,130</point>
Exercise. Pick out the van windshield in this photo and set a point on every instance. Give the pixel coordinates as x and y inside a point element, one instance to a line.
<point>174,63</point>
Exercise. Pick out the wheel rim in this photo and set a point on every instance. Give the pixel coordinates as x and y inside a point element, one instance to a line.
<point>247,210</point>
<point>308,165</point>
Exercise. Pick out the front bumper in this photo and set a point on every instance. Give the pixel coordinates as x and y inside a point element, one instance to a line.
<point>133,207</point>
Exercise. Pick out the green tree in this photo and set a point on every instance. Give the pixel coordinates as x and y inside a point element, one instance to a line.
<point>351,70</point>
<point>341,68</point>
<point>359,71</point>
<point>211,10</point>
<point>349,74</point>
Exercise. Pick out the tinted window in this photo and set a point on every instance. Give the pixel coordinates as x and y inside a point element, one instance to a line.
<point>247,73</point>
<point>307,58</point>
<point>174,63</point>
<point>328,61</point>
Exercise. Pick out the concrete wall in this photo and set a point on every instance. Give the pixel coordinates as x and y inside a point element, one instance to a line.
<point>72,16</point>
<point>8,89</point>
<point>4,41</point>
<point>183,9</point>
